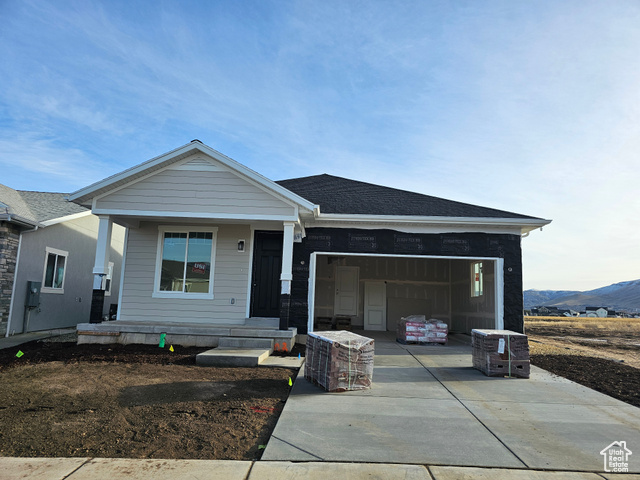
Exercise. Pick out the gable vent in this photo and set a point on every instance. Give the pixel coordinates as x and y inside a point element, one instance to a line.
<point>199,164</point>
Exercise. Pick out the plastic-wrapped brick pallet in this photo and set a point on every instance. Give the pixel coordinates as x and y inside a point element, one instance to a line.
<point>417,329</point>
<point>339,361</point>
<point>500,353</point>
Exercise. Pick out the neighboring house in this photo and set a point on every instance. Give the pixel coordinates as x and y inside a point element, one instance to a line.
<point>51,242</point>
<point>600,312</point>
<point>214,248</point>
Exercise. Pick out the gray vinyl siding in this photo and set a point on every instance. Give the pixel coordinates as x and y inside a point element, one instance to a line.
<point>216,192</point>
<point>231,277</point>
<point>58,310</point>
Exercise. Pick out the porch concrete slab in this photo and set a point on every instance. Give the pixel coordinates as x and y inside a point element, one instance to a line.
<point>143,469</point>
<point>322,471</point>
<point>380,429</point>
<point>14,468</point>
<point>231,357</point>
<point>471,473</point>
<point>560,436</point>
<point>246,342</point>
<point>285,362</point>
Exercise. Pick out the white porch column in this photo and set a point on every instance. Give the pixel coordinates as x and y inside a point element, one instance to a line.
<point>287,259</point>
<point>103,247</point>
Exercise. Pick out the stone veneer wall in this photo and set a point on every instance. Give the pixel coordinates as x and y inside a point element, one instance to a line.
<point>9,239</point>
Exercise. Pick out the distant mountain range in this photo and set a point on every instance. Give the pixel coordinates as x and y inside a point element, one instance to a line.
<point>619,296</point>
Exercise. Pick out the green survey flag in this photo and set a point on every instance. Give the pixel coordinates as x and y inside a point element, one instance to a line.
<point>162,339</point>
<point>290,382</point>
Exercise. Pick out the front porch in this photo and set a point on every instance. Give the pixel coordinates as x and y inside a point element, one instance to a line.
<point>187,334</point>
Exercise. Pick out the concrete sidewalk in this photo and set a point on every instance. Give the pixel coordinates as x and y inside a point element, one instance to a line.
<point>428,406</point>
<point>22,338</point>
<point>130,469</point>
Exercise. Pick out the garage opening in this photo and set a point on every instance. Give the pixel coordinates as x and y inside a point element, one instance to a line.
<point>376,291</point>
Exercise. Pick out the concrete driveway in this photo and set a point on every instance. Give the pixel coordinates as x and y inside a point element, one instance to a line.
<point>429,406</point>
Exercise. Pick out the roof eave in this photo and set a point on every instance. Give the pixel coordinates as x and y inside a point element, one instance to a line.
<point>11,218</point>
<point>526,224</point>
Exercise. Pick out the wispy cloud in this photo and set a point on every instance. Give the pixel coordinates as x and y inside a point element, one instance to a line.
<point>531,108</point>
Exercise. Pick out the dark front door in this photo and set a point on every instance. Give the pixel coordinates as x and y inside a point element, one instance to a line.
<point>267,266</point>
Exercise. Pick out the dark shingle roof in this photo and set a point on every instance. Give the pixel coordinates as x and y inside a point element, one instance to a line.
<point>343,196</point>
<point>36,206</point>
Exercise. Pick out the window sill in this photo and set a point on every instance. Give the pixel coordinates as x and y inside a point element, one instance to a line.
<point>58,291</point>
<point>187,296</point>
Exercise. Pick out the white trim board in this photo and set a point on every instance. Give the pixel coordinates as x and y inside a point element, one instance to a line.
<point>194,215</point>
<point>55,221</point>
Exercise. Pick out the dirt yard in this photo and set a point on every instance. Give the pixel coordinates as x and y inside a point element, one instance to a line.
<point>67,400</point>
<point>600,353</point>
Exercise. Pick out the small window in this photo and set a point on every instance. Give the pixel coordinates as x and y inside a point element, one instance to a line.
<point>185,263</point>
<point>107,281</point>
<point>477,281</point>
<point>55,267</point>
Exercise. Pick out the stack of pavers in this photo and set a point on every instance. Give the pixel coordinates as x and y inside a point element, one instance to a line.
<point>340,360</point>
<point>500,353</point>
<point>417,329</point>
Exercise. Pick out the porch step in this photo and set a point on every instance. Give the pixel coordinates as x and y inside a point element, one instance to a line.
<point>246,342</point>
<point>180,333</point>
<point>232,357</point>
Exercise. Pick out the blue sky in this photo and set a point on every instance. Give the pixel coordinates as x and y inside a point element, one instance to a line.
<point>532,107</point>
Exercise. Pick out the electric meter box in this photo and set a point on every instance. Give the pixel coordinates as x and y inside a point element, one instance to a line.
<point>33,294</point>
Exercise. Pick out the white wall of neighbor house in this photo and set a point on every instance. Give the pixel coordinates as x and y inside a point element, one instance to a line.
<point>231,277</point>
<point>195,190</point>
<point>436,288</point>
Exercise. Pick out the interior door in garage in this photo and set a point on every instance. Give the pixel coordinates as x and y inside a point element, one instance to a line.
<point>375,306</point>
<point>346,302</point>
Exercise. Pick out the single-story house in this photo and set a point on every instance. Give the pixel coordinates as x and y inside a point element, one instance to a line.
<point>600,312</point>
<point>213,248</point>
<point>47,250</point>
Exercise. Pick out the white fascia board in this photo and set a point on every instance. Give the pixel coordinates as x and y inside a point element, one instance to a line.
<point>203,215</point>
<point>55,221</point>
<point>173,156</point>
<point>11,218</point>
<point>416,228</point>
<point>477,223</point>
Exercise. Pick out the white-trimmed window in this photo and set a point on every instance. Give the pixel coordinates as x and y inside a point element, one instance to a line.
<point>107,280</point>
<point>477,280</point>
<point>185,262</point>
<point>55,268</point>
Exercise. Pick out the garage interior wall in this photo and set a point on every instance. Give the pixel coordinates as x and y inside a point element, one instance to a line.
<point>437,288</point>
<point>469,312</point>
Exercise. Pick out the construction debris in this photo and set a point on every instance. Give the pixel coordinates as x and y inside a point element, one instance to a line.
<point>417,329</point>
<point>500,353</point>
<point>339,360</point>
